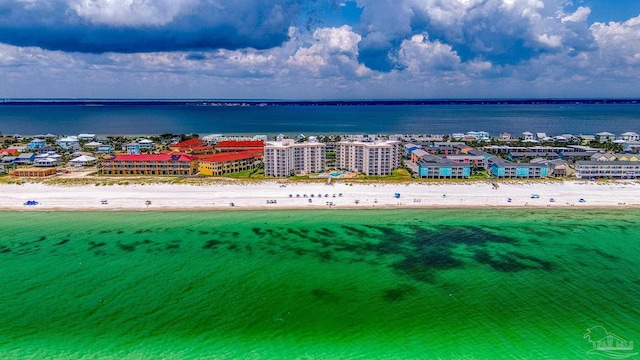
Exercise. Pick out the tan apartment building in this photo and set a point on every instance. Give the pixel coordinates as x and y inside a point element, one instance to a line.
<point>281,158</point>
<point>375,158</point>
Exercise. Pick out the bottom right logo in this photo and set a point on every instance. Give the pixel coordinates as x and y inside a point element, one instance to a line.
<point>608,344</point>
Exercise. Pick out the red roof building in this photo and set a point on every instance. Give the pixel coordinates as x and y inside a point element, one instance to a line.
<point>241,145</point>
<point>9,152</point>
<point>228,162</point>
<point>152,164</point>
<point>192,146</point>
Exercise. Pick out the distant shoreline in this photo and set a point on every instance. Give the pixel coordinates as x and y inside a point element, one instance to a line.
<point>254,102</point>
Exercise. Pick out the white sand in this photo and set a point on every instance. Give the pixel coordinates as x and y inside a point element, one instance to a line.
<point>255,196</point>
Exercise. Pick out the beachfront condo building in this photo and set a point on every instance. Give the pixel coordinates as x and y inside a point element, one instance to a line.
<point>228,162</point>
<point>286,157</point>
<point>607,169</point>
<point>153,164</point>
<point>370,158</point>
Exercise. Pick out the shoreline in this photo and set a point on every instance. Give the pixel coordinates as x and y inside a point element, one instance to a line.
<point>279,195</point>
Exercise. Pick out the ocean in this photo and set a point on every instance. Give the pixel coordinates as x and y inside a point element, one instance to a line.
<point>324,284</point>
<point>138,118</point>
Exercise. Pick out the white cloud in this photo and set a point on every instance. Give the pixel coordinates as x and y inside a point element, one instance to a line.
<point>421,55</point>
<point>619,42</point>
<point>334,51</point>
<point>131,12</point>
<point>580,15</point>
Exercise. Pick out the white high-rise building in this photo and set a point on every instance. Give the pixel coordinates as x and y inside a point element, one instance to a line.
<point>376,158</point>
<point>281,157</point>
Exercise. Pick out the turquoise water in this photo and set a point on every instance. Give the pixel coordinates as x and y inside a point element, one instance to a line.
<point>334,284</point>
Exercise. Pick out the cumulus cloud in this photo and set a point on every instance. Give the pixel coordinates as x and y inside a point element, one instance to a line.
<point>276,48</point>
<point>334,51</point>
<point>619,42</point>
<point>131,12</point>
<point>129,26</point>
<point>421,55</point>
<point>500,31</point>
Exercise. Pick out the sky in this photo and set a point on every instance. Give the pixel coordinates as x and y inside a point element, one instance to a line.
<point>319,49</point>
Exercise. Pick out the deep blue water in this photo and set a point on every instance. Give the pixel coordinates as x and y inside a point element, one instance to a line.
<point>127,119</point>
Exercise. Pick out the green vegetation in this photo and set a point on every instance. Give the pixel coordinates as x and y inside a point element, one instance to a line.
<point>255,174</point>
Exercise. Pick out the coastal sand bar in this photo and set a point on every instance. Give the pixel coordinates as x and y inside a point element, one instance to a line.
<point>290,195</point>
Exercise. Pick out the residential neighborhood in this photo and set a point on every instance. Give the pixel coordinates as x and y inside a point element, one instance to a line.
<point>436,156</point>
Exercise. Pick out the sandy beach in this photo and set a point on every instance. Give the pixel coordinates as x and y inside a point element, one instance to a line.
<point>287,195</point>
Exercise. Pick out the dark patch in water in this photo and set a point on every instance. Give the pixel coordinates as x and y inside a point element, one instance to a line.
<point>536,262</point>
<point>211,244</point>
<point>202,232</point>
<point>42,238</point>
<point>605,255</point>
<point>300,233</point>
<point>511,262</point>
<point>120,232</point>
<point>96,244</point>
<point>127,247</point>
<point>62,242</point>
<point>399,293</point>
<point>104,231</point>
<point>352,231</point>
<point>4,249</point>
<point>173,246</point>
<point>324,296</point>
<point>258,232</point>
<point>233,247</point>
<point>325,232</point>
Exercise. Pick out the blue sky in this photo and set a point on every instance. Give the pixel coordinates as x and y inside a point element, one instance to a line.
<point>319,49</point>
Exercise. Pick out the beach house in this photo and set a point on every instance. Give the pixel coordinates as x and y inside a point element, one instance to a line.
<point>69,143</point>
<point>86,137</point>
<point>36,144</point>
<point>132,148</point>
<point>630,136</point>
<point>83,160</point>
<point>527,136</point>
<point>605,136</point>
<point>25,159</point>
<point>48,159</point>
